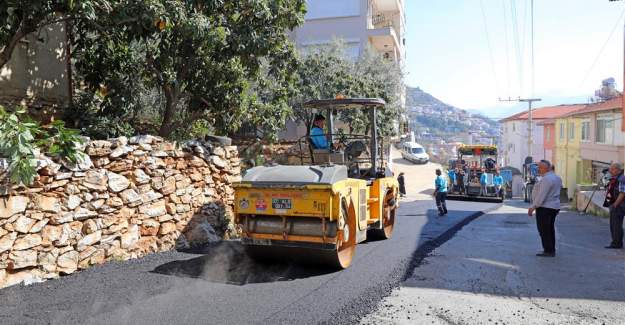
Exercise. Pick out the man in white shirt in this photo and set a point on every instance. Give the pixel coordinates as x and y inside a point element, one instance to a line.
<point>546,203</point>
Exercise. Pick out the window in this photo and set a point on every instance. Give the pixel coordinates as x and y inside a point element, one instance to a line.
<point>547,134</point>
<point>585,130</point>
<point>513,126</point>
<point>572,130</point>
<point>561,131</point>
<point>417,150</point>
<point>605,129</point>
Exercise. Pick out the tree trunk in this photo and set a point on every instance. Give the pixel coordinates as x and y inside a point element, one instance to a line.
<point>6,53</point>
<point>171,100</point>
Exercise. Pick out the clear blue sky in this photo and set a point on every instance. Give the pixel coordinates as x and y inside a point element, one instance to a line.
<point>448,53</point>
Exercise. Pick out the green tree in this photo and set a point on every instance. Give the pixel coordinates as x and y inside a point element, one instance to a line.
<point>381,78</point>
<point>18,18</point>
<point>209,60</point>
<point>327,72</point>
<point>323,73</point>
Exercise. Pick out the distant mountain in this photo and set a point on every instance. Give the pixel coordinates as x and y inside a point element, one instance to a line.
<point>430,115</point>
<point>416,97</point>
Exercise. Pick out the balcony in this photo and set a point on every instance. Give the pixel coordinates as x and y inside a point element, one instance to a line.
<point>389,5</point>
<point>385,37</point>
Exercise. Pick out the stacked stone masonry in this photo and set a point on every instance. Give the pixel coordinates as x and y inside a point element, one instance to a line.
<point>125,199</point>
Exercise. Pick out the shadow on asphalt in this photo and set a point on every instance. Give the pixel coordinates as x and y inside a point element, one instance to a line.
<point>228,263</point>
<point>427,243</point>
<point>429,191</point>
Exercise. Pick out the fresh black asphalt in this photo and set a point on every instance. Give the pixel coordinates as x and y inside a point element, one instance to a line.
<point>220,285</point>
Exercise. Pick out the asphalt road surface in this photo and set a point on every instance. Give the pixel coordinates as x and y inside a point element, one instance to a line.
<point>220,285</point>
<point>488,274</point>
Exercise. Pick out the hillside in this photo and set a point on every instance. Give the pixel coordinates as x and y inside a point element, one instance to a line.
<point>430,115</point>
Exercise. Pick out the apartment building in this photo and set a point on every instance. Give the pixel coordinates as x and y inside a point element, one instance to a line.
<point>585,141</point>
<point>549,139</point>
<point>513,146</point>
<point>359,24</point>
<point>379,24</point>
<point>602,138</point>
<point>568,134</point>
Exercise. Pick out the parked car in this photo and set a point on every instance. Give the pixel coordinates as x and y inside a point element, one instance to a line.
<point>415,153</point>
<point>400,142</point>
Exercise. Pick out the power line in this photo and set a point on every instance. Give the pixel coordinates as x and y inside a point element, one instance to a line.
<point>524,28</point>
<point>505,28</point>
<point>515,34</point>
<point>490,49</point>
<point>532,85</point>
<point>594,63</point>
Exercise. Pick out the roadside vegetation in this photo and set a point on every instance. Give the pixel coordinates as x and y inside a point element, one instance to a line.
<point>184,69</point>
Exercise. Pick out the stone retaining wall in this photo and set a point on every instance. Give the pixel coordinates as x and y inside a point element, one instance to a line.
<point>126,199</point>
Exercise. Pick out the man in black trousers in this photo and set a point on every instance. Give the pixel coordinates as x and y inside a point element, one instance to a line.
<point>615,200</point>
<point>546,203</point>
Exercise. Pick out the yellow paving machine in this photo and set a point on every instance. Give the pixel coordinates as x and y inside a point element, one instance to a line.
<point>319,211</point>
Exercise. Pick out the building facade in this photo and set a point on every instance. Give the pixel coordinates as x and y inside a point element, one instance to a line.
<point>515,133</point>
<point>602,139</point>
<point>549,140</point>
<point>38,73</point>
<point>567,158</point>
<point>379,24</point>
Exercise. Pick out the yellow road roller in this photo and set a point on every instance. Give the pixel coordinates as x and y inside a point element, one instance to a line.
<point>318,211</point>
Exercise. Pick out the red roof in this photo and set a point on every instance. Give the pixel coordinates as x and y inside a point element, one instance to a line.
<point>544,113</point>
<point>608,105</point>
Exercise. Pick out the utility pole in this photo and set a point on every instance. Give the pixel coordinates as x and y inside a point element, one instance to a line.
<point>529,101</point>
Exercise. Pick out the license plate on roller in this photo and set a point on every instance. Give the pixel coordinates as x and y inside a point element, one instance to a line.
<point>281,204</point>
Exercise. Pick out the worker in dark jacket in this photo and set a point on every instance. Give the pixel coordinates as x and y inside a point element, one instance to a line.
<point>615,201</point>
<point>460,180</point>
<point>402,184</point>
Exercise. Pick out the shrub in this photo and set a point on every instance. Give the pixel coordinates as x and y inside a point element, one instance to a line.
<point>22,140</point>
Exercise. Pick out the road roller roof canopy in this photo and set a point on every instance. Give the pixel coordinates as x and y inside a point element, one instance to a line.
<point>345,103</point>
<point>477,150</point>
<point>355,145</point>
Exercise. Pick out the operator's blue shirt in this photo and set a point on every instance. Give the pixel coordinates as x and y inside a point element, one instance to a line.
<point>483,179</point>
<point>452,175</point>
<point>440,183</point>
<point>318,138</point>
<point>498,180</point>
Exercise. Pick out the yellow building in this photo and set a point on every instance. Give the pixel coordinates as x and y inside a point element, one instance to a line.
<point>567,156</point>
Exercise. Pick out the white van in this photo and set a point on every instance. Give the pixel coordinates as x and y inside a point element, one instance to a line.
<point>415,153</point>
